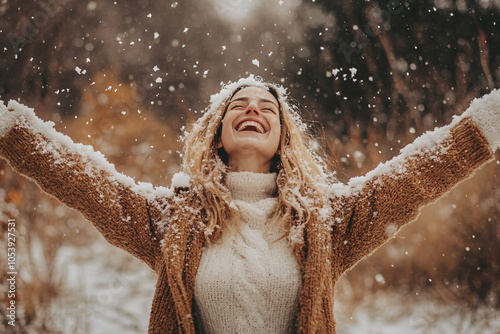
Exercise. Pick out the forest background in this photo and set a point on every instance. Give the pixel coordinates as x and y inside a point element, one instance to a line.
<point>127,76</point>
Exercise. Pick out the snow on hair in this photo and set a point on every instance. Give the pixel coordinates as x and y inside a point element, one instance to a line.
<point>302,193</point>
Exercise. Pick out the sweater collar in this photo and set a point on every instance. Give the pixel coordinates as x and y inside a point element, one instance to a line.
<point>251,187</point>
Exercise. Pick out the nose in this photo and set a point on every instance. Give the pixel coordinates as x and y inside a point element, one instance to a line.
<point>252,107</point>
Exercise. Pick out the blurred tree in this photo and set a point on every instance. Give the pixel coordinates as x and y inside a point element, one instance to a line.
<point>416,63</point>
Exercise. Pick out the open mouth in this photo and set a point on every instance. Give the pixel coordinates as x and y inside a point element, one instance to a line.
<point>250,126</point>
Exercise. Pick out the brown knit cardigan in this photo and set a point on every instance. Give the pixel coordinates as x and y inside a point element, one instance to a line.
<point>366,213</point>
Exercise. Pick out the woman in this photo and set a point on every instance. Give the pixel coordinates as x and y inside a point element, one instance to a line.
<point>253,236</point>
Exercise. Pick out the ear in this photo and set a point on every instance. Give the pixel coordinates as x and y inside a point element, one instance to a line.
<point>219,143</point>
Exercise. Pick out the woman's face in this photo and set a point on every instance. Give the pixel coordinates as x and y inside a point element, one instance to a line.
<point>251,124</point>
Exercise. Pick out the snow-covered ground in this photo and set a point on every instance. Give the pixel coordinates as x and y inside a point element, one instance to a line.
<point>108,291</point>
<point>390,313</point>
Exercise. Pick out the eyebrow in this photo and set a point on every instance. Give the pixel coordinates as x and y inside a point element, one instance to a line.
<point>245,99</point>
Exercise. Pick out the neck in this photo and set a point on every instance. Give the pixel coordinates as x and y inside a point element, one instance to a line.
<point>249,163</point>
<point>251,187</point>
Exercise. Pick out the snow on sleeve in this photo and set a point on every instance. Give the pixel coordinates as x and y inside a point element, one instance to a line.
<point>58,143</point>
<point>485,112</point>
<point>180,180</point>
<point>164,192</point>
<point>9,115</point>
<point>431,141</point>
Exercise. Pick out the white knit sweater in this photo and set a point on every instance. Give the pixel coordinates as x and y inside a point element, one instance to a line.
<point>248,283</point>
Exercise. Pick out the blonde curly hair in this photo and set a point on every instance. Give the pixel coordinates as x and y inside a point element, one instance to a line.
<point>302,178</point>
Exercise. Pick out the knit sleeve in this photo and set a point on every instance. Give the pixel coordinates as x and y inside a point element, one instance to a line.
<point>371,209</point>
<point>126,213</point>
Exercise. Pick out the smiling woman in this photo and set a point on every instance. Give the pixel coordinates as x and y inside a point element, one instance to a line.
<point>255,235</point>
<point>251,130</point>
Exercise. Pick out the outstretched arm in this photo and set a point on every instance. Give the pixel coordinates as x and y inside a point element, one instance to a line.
<point>371,209</point>
<point>126,213</point>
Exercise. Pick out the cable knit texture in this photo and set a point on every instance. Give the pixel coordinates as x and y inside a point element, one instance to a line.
<point>248,283</point>
<point>165,227</point>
